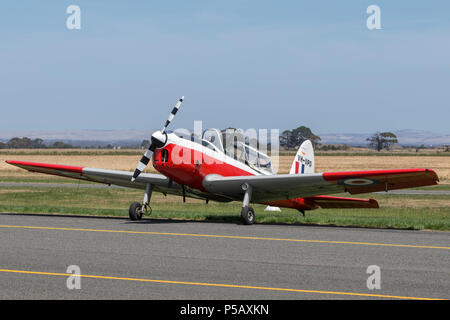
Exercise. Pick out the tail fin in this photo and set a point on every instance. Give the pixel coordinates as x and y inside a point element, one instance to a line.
<point>304,159</point>
<point>303,163</point>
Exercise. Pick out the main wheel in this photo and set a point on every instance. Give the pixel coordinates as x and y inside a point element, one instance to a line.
<point>135,211</point>
<point>248,215</point>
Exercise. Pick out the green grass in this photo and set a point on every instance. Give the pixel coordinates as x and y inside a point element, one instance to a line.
<point>398,213</point>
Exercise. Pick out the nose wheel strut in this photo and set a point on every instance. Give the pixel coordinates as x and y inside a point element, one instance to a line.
<point>137,210</point>
<point>247,212</point>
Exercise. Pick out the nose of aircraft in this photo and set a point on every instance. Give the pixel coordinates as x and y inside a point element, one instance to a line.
<point>159,139</point>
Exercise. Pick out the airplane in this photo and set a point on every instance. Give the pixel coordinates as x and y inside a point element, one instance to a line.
<point>201,168</point>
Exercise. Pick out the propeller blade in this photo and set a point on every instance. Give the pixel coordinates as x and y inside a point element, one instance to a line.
<point>172,114</point>
<point>156,142</point>
<point>142,163</point>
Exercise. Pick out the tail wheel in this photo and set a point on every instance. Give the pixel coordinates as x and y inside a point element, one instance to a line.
<point>248,215</point>
<point>135,211</point>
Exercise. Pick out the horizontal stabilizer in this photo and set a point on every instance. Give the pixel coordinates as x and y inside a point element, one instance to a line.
<point>327,202</point>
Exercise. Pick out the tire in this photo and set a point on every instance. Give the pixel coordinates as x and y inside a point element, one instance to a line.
<point>135,211</point>
<point>248,215</point>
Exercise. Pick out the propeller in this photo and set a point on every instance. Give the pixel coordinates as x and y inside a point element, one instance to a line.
<point>158,140</point>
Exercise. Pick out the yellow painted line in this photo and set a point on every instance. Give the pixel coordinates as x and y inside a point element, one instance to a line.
<point>221,285</point>
<point>228,237</point>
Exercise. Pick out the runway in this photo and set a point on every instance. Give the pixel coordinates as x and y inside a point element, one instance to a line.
<point>166,259</point>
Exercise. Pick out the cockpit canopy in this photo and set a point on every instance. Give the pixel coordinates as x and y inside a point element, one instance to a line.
<point>254,158</point>
<point>233,146</point>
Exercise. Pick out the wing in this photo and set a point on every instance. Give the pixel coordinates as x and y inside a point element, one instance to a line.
<point>114,177</point>
<point>287,186</point>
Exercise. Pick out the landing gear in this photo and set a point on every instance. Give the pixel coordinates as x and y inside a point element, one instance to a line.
<point>137,209</point>
<point>248,215</point>
<point>247,212</point>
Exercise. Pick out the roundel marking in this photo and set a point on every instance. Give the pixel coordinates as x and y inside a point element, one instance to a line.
<point>358,182</point>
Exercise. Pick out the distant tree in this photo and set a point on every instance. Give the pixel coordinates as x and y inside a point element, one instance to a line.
<point>17,143</point>
<point>288,139</point>
<point>25,143</point>
<point>294,138</point>
<point>38,143</point>
<point>60,145</point>
<point>419,147</point>
<point>304,133</point>
<point>334,147</point>
<point>382,140</point>
<point>145,144</point>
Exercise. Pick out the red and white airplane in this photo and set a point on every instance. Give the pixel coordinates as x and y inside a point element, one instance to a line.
<point>204,170</point>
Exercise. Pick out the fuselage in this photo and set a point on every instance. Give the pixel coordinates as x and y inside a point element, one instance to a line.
<point>188,163</point>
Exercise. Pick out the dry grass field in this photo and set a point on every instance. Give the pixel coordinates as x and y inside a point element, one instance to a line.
<point>396,211</point>
<point>128,161</point>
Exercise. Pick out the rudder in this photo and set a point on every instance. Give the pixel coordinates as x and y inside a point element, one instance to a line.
<point>304,159</point>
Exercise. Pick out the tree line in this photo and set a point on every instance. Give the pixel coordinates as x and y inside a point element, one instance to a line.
<point>289,139</point>
<point>292,139</point>
<point>27,143</point>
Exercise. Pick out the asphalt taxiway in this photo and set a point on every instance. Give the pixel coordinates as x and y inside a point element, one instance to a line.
<point>169,259</point>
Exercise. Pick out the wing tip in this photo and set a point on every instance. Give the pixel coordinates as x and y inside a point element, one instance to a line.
<point>12,162</point>
<point>374,203</point>
<point>434,173</point>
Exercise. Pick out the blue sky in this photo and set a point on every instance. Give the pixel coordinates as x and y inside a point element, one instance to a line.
<point>260,64</point>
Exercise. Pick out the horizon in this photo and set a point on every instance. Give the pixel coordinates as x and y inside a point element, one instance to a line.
<point>408,137</point>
